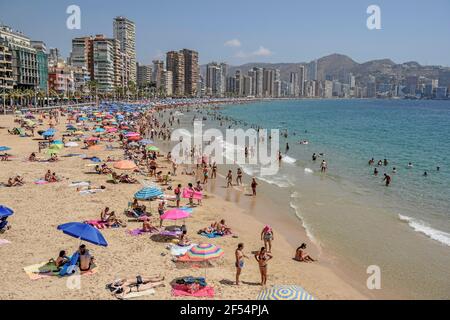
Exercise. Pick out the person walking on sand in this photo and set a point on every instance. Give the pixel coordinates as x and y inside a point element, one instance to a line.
<point>239,261</point>
<point>229,179</point>
<point>214,171</point>
<point>177,192</point>
<point>254,185</point>
<point>267,237</point>
<point>239,177</point>
<point>262,257</point>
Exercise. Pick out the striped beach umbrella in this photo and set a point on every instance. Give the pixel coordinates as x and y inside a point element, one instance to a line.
<point>284,292</point>
<point>148,193</point>
<point>204,252</point>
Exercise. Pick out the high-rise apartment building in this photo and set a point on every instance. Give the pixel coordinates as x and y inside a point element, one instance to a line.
<point>191,72</point>
<point>158,70</point>
<point>176,64</point>
<point>144,75</point>
<point>293,84</point>
<point>23,58</point>
<point>6,70</point>
<point>215,82</point>
<point>125,33</point>
<point>106,63</point>
<point>167,79</point>
<point>312,71</point>
<point>42,62</point>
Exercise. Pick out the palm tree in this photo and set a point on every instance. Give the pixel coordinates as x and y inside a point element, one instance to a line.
<point>93,86</point>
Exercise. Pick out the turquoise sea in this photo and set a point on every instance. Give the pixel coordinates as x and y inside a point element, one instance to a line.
<point>403,228</point>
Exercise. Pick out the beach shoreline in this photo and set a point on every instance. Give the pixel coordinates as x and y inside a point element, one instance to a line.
<point>34,238</point>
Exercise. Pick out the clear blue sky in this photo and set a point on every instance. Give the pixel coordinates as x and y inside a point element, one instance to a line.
<point>267,31</point>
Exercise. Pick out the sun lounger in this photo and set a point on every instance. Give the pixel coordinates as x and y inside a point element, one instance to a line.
<point>3,242</point>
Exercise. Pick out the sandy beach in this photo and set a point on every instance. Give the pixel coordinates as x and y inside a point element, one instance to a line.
<point>39,209</point>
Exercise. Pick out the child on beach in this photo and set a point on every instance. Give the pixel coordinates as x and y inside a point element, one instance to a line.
<point>239,254</point>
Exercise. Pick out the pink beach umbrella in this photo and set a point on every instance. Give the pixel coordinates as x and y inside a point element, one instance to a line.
<point>175,214</point>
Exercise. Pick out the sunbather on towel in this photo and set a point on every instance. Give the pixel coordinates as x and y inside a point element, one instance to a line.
<point>137,207</point>
<point>122,287</point>
<point>110,218</point>
<point>148,227</point>
<point>61,260</point>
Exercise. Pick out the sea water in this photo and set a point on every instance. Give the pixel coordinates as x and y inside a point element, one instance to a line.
<point>403,228</point>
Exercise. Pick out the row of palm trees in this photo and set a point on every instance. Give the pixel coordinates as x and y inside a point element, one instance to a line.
<point>131,92</point>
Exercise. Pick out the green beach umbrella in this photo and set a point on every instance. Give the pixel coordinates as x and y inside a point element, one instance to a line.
<point>152,148</point>
<point>52,151</point>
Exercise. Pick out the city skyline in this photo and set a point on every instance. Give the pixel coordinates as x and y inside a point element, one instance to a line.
<point>407,31</point>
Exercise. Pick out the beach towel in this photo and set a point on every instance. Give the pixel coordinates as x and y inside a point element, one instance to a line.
<point>176,250</point>
<point>49,269</point>
<point>167,233</point>
<point>179,290</point>
<point>98,224</point>
<point>187,194</point>
<point>3,242</point>
<point>213,235</point>
<point>139,231</point>
<point>80,184</point>
<point>41,182</point>
<point>134,295</point>
<point>92,191</point>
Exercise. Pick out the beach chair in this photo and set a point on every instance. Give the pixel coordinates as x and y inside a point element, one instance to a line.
<point>22,132</point>
<point>112,180</point>
<point>135,215</point>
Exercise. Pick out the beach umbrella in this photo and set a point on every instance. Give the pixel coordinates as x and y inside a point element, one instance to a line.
<point>71,144</point>
<point>78,133</point>
<point>84,232</point>
<point>175,214</point>
<point>100,130</point>
<point>92,139</point>
<point>57,142</point>
<point>95,148</point>
<point>148,193</point>
<point>132,134</point>
<point>285,292</point>
<point>204,252</point>
<point>4,148</point>
<point>136,138</point>
<point>51,152</point>
<point>145,142</point>
<point>5,212</point>
<point>152,148</point>
<point>56,146</point>
<point>111,130</point>
<point>125,165</point>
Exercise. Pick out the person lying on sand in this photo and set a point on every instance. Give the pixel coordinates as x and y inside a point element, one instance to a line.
<point>122,287</point>
<point>217,227</point>
<point>301,255</point>
<point>53,158</point>
<point>148,227</point>
<point>105,169</point>
<point>90,187</point>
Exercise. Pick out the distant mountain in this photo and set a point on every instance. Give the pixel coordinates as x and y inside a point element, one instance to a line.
<point>335,65</point>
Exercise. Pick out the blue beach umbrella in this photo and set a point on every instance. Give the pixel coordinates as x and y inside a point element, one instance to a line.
<point>284,293</point>
<point>148,193</point>
<point>84,232</point>
<point>145,142</point>
<point>57,142</point>
<point>3,148</point>
<point>99,130</point>
<point>187,209</point>
<point>5,212</point>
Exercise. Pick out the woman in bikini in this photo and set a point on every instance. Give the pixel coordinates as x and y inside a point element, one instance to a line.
<point>262,257</point>
<point>267,237</point>
<point>122,287</point>
<point>301,255</point>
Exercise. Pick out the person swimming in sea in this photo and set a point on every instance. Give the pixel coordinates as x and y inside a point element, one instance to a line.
<point>371,161</point>
<point>410,165</point>
<point>375,172</point>
<point>425,174</point>
<point>314,157</point>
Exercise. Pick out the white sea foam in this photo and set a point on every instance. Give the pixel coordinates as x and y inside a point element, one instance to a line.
<point>420,226</point>
<point>295,194</point>
<point>300,217</point>
<point>280,181</point>
<point>308,170</point>
<point>288,159</point>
